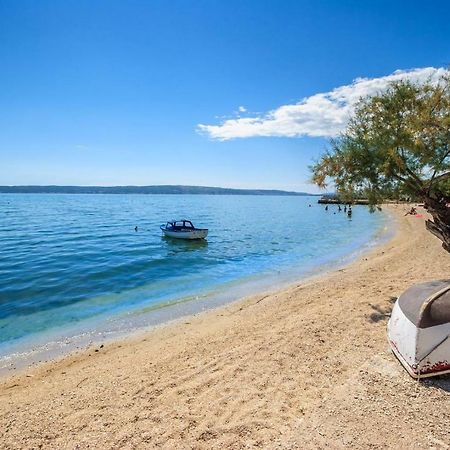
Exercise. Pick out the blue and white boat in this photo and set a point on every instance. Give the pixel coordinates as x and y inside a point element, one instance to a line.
<point>183,229</point>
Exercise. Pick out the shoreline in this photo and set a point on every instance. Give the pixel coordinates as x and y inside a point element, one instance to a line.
<point>305,367</point>
<point>56,345</point>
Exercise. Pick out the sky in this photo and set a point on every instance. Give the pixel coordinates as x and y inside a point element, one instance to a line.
<point>229,93</point>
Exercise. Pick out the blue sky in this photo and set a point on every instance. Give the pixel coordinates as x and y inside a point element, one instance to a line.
<point>113,92</point>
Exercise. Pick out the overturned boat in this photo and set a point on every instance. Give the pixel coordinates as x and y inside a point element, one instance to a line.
<point>419,329</point>
<point>183,229</point>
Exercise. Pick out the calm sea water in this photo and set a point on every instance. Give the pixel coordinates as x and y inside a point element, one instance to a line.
<point>75,260</point>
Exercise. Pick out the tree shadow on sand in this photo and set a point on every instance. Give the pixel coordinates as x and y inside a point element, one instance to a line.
<point>381,313</point>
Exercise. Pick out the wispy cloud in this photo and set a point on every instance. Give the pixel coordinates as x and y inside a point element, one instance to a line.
<point>320,115</point>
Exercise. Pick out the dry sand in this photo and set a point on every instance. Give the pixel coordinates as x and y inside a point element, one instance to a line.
<point>308,367</point>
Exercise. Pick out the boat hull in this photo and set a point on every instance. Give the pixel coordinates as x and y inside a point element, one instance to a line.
<point>194,234</point>
<point>423,352</point>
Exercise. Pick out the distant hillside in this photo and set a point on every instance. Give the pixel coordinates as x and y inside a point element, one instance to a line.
<point>164,189</point>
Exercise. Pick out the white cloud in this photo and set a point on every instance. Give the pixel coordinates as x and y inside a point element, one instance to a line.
<point>320,115</point>
<point>242,109</point>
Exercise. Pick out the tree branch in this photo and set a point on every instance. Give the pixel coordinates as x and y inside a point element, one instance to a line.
<point>414,186</point>
<point>407,169</point>
<point>440,177</point>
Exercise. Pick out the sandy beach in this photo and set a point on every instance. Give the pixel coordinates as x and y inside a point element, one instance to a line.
<point>308,367</point>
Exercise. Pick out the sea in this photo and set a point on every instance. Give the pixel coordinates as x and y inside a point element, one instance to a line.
<point>74,272</point>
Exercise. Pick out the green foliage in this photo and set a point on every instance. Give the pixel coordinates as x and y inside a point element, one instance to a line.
<point>397,144</point>
<point>444,187</point>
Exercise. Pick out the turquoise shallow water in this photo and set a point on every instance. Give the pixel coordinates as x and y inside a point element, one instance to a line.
<point>69,260</point>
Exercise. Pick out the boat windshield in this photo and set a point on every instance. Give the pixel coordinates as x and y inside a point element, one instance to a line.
<point>179,225</point>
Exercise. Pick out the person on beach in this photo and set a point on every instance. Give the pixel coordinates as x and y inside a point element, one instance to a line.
<point>411,212</point>
<point>326,208</point>
<point>345,208</point>
<point>339,208</point>
<point>349,213</point>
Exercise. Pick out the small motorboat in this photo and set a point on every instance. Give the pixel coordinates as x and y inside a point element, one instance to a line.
<point>419,329</point>
<point>183,229</point>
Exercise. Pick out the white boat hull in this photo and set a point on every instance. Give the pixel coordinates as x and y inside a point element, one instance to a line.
<point>194,234</point>
<point>423,352</point>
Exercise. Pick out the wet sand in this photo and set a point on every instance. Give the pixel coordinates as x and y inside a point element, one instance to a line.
<point>307,367</point>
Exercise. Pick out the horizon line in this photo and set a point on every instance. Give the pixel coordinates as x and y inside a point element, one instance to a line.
<point>38,187</point>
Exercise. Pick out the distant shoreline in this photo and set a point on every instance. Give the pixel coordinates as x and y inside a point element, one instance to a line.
<point>156,189</point>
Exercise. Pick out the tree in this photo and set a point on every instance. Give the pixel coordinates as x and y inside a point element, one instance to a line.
<point>396,142</point>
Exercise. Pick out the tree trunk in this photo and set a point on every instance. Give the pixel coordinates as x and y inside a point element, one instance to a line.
<point>440,225</point>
